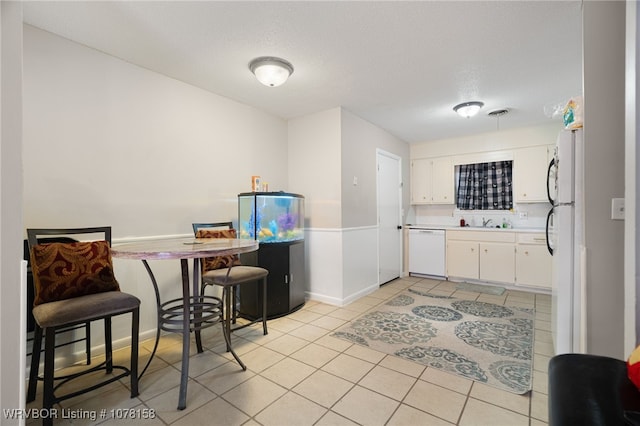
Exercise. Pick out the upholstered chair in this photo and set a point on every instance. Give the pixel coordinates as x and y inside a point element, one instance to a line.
<point>75,283</point>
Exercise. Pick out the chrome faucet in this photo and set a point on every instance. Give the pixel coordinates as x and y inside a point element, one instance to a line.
<point>485,223</point>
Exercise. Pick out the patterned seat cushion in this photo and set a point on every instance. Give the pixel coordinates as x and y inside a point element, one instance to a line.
<point>218,262</point>
<point>67,270</point>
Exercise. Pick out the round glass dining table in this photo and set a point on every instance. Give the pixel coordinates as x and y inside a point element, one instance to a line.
<point>193,311</point>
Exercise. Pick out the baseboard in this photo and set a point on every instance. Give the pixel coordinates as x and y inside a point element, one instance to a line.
<point>341,302</point>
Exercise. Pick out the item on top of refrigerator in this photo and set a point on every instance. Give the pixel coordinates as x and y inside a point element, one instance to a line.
<point>572,116</point>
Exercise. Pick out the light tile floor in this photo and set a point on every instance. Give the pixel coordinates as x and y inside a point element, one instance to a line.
<point>299,375</point>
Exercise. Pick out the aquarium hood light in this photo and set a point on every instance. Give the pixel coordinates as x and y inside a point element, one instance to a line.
<point>271,71</point>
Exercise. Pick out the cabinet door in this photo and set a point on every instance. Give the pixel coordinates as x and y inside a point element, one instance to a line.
<point>442,181</point>
<point>462,259</point>
<point>530,174</point>
<point>275,258</point>
<point>421,181</point>
<point>497,262</point>
<point>297,280</point>
<point>533,265</point>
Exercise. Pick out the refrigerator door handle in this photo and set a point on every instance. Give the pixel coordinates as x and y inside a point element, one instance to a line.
<point>547,231</point>
<point>552,164</point>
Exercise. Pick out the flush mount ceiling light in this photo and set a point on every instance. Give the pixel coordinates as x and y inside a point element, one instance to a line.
<point>271,71</point>
<point>468,109</point>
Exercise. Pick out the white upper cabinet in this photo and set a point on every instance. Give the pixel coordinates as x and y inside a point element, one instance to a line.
<point>432,181</point>
<point>421,181</point>
<point>530,174</point>
<point>442,181</point>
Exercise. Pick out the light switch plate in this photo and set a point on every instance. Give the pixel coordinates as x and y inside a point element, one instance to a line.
<point>617,208</point>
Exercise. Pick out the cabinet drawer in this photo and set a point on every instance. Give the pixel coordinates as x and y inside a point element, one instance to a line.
<point>532,238</point>
<point>482,236</point>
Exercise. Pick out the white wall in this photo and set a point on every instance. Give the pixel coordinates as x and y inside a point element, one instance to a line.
<point>132,148</point>
<point>360,139</point>
<point>360,142</point>
<point>490,141</point>
<point>110,143</point>
<point>314,166</point>
<point>12,356</point>
<point>604,96</point>
<point>326,150</point>
<point>315,172</point>
<point>631,230</point>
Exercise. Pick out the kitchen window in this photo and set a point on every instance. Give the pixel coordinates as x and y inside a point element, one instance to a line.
<point>484,186</point>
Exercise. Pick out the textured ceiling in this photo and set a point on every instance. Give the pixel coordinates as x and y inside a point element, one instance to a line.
<point>399,65</point>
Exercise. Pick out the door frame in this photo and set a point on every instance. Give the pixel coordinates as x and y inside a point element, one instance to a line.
<point>380,152</point>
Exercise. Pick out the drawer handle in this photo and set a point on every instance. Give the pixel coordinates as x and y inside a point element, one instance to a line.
<point>526,253</point>
<point>486,251</point>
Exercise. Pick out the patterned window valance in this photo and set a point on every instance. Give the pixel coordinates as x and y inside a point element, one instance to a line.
<point>485,186</point>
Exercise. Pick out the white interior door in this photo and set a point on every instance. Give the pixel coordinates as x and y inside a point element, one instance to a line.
<point>389,216</point>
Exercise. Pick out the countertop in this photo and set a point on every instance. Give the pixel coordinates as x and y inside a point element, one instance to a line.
<point>470,228</point>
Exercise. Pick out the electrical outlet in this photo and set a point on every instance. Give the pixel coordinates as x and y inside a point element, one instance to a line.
<point>355,181</point>
<point>523,215</point>
<point>617,208</point>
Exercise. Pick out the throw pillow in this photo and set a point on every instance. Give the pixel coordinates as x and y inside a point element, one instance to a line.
<point>218,262</point>
<point>68,270</point>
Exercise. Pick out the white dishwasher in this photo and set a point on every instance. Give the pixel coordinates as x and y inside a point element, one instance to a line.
<point>427,251</point>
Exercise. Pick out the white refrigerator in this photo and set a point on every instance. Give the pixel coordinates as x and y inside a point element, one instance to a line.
<point>565,231</point>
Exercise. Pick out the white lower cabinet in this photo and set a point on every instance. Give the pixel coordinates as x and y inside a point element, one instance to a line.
<point>533,261</point>
<point>481,255</point>
<point>497,262</point>
<point>462,259</point>
<point>504,257</point>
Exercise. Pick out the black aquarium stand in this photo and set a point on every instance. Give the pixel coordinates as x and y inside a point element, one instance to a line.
<point>285,283</point>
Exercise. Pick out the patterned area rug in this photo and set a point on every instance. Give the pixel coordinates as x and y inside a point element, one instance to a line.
<point>481,341</point>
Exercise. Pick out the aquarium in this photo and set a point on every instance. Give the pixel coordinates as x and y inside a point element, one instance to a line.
<point>271,217</point>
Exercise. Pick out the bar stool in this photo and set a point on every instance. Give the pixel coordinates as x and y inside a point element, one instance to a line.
<point>228,273</point>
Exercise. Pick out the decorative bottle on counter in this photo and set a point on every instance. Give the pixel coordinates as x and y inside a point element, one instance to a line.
<point>462,223</point>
